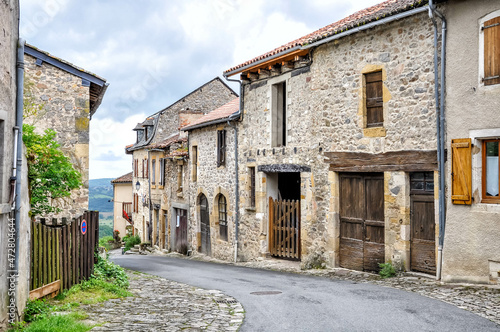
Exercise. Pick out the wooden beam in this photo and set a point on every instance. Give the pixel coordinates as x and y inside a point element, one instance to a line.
<point>287,64</point>
<point>284,58</point>
<point>51,289</point>
<point>389,161</point>
<point>263,71</point>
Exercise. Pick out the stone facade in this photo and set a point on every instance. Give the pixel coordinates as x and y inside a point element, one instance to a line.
<point>325,113</point>
<point>68,101</point>
<point>9,15</point>
<point>158,137</point>
<point>471,251</point>
<point>212,181</point>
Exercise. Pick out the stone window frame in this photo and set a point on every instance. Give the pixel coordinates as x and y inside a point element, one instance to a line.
<point>284,78</point>
<point>481,21</point>
<point>362,112</point>
<point>477,137</point>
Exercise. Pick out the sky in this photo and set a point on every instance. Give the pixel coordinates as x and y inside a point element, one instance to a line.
<point>154,52</point>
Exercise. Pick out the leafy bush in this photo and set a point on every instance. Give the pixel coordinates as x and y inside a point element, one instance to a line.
<point>386,270</point>
<point>104,242</point>
<point>36,310</point>
<point>131,241</point>
<point>109,271</point>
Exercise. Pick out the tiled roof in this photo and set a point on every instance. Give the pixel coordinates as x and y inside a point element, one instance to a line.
<point>123,179</point>
<point>220,113</point>
<point>167,142</point>
<point>362,17</point>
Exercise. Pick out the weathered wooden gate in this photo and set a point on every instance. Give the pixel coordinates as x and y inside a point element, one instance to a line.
<point>205,226</point>
<point>284,228</point>
<point>61,256</point>
<point>362,221</point>
<point>422,223</point>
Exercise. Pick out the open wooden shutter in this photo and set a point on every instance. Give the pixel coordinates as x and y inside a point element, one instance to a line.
<point>491,31</point>
<point>461,171</point>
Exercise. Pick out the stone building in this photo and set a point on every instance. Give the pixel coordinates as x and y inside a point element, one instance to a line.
<point>212,173</point>
<point>337,146</point>
<point>471,251</point>
<point>159,154</point>
<point>69,97</point>
<point>14,200</point>
<point>122,203</point>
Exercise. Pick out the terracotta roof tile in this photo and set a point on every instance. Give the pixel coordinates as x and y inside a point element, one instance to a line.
<point>218,114</point>
<point>362,17</point>
<point>123,179</point>
<point>167,142</point>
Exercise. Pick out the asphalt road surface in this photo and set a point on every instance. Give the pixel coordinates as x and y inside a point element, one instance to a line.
<point>292,302</point>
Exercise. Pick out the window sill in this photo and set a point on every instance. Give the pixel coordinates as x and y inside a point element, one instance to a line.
<point>374,132</point>
<point>251,209</point>
<point>490,201</point>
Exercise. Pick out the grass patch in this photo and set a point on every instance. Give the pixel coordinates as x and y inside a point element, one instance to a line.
<point>386,270</point>
<point>59,323</point>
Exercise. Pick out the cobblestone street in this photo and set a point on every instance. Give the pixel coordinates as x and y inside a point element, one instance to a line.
<point>163,305</point>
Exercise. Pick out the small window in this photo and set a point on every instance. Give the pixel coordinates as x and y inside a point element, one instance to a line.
<point>251,174</point>
<point>221,147</point>
<point>153,171</point>
<point>162,171</point>
<point>491,30</point>
<point>491,178</point>
<point>374,100</point>
<point>180,169</point>
<point>223,217</point>
<point>279,113</point>
<point>194,163</point>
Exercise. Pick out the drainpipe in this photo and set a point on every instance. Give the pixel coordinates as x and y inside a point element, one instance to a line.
<point>440,123</point>
<point>150,229</point>
<point>16,179</point>
<point>235,116</point>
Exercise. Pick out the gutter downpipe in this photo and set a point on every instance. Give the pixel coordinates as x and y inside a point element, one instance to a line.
<point>16,179</point>
<point>150,228</point>
<point>236,116</point>
<point>440,122</point>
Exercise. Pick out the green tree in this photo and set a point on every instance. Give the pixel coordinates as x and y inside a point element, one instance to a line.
<point>51,175</point>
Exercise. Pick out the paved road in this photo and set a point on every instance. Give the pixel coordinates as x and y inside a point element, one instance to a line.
<point>306,303</point>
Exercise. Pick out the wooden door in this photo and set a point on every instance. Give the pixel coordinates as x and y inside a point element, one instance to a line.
<point>205,226</point>
<point>181,231</point>
<point>362,221</point>
<point>422,223</point>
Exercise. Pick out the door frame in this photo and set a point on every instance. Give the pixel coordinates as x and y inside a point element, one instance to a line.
<point>173,221</point>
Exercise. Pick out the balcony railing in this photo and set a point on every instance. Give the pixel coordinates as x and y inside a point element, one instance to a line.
<point>127,211</point>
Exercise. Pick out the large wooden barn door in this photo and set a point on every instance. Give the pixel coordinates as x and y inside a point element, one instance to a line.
<point>205,226</point>
<point>362,221</point>
<point>422,223</point>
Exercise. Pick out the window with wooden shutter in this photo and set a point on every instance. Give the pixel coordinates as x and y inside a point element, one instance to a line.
<point>461,171</point>
<point>221,147</point>
<point>222,217</point>
<point>153,171</point>
<point>162,171</point>
<point>491,30</point>
<point>374,100</point>
<point>252,186</point>
<point>194,164</point>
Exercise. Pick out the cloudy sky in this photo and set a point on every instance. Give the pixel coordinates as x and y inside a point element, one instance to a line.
<point>153,52</point>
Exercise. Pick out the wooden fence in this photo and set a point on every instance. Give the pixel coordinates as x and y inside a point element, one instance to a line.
<point>284,228</point>
<point>61,256</point>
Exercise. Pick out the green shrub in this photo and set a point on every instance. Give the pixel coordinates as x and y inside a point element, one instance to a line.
<point>104,242</point>
<point>131,241</point>
<point>36,310</point>
<point>386,270</point>
<point>109,271</point>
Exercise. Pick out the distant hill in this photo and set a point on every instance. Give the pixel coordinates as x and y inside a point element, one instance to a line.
<point>100,195</point>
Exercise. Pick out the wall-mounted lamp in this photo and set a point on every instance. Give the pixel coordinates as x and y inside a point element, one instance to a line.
<point>137,185</point>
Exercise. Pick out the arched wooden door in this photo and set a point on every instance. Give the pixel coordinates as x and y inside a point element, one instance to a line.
<point>205,226</point>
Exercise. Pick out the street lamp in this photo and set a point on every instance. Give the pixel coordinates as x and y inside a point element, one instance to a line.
<point>137,185</point>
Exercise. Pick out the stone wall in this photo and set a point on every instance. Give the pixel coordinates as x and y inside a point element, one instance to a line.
<point>141,218</point>
<point>66,110</point>
<point>471,251</point>
<point>325,113</point>
<point>212,181</point>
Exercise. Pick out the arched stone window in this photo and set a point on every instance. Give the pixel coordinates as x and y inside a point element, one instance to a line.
<point>222,217</point>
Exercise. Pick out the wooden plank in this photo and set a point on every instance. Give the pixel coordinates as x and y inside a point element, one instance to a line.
<point>45,256</point>
<point>380,162</point>
<point>34,257</point>
<point>58,253</point>
<point>51,289</point>
<point>67,256</point>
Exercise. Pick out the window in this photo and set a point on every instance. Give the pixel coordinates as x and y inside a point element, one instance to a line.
<point>251,171</point>
<point>136,203</point>
<point>194,163</point>
<point>221,147</point>
<point>179,178</point>
<point>162,171</point>
<point>490,168</point>
<point>278,123</point>
<point>461,171</point>
<point>153,171</point>
<point>147,168</point>
<point>491,39</point>
<point>374,100</point>
<point>223,217</point>
<point>136,168</point>
<point>143,168</point>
